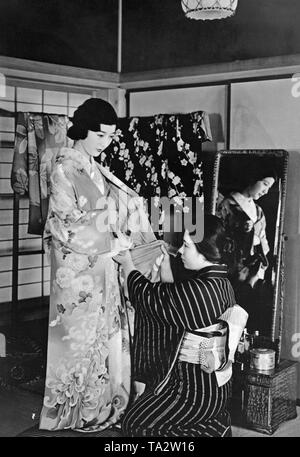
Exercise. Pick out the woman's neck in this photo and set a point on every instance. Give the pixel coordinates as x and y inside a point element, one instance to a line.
<point>209,267</point>
<point>79,147</point>
<point>245,193</point>
<point>207,264</point>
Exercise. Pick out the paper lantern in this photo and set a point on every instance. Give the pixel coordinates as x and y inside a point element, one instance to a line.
<point>209,9</point>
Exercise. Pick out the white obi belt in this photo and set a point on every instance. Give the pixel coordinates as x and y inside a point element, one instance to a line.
<point>213,347</point>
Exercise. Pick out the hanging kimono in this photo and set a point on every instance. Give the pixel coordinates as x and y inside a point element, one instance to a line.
<point>191,403</point>
<point>38,138</point>
<point>160,156</point>
<point>88,362</point>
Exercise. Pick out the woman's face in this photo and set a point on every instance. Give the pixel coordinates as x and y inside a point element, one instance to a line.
<point>260,188</point>
<point>96,142</point>
<point>191,257</point>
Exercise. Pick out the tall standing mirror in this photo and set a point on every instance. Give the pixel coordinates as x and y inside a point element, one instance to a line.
<point>248,193</point>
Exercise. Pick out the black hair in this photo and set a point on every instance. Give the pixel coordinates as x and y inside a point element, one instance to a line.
<point>259,175</point>
<point>214,243</point>
<point>89,116</point>
<point>237,172</point>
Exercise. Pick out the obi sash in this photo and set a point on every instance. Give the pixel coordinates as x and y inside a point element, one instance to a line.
<point>207,347</point>
<point>213,347</point>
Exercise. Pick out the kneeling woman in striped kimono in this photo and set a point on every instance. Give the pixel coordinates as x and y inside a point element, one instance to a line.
<point>180,398</point>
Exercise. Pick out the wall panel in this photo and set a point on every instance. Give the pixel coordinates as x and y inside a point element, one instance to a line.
<point>265,114</point>
<point>211,99</point>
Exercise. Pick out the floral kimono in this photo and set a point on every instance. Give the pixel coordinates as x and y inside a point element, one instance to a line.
<point>92,216</point>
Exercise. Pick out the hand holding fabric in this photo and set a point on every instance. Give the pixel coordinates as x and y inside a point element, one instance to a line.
<point>124,259</point>
<point>120,243</point>
<point>248,226</point>
<point>161,270</point>
<point>165,267</point>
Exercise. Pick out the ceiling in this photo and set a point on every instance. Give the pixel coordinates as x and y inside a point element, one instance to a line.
<point>156,35</point>
<point>80,33</point>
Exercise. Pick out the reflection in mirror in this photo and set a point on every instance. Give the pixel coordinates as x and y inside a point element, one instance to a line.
<point>248,194</point>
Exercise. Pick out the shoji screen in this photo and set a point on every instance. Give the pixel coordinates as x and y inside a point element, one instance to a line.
<point>34,270</point>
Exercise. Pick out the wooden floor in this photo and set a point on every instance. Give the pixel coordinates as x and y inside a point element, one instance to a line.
<point>20,409</point>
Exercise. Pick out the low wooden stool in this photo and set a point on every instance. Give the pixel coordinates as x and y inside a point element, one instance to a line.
<point>262,401</point>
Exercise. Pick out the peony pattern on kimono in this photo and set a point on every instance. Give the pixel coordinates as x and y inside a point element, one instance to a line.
<point>67,301</point>
<point>81,328</point>
<point>77,393</point>
<point>77,262</point>
<point>64,276</point>
<point>83,283</point>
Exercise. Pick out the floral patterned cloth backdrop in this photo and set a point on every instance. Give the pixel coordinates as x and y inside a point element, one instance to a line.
<point>159,155</point>
<point>38,138</point>
<point>156,156</point>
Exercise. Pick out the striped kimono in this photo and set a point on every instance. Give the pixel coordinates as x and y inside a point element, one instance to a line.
<point>190,403</point>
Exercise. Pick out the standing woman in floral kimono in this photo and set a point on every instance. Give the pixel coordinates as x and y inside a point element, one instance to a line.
<point>88,361</point>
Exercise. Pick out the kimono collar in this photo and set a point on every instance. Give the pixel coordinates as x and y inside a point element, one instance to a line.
<point>116,181</point>
<point>76,158</point>
<point>79,161</point>
<point>213,271</point>
<point>247,205</point>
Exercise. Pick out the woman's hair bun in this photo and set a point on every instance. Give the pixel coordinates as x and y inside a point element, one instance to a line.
<point>89,116</point>
<point>215,243</point>
<point>75,132</point>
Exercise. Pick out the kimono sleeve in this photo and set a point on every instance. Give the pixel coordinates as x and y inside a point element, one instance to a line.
<point>262,233</point>
<point>223,209</point>
<point>19,173</point>
<point>187,303</point>
<point>78,230</point>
